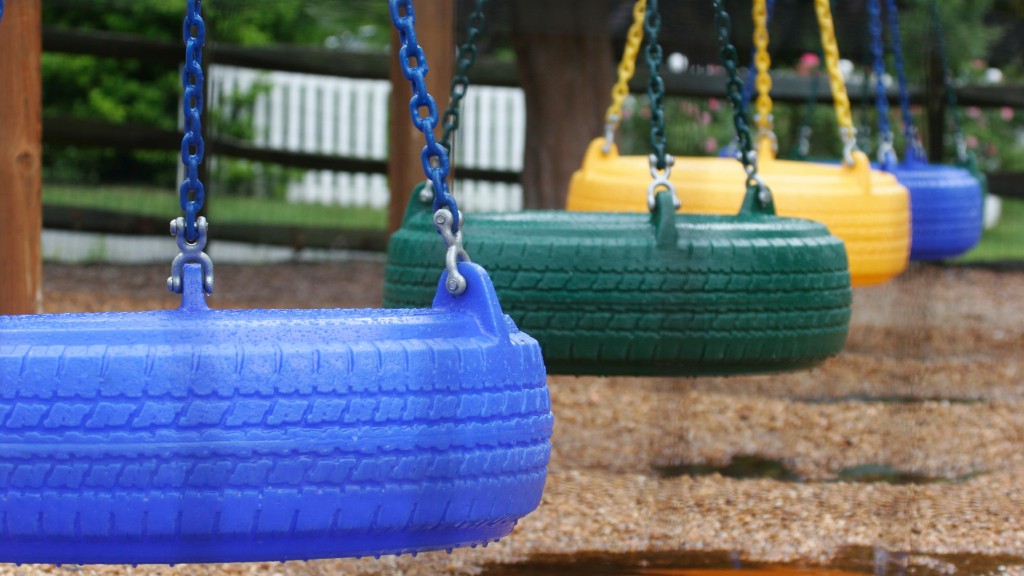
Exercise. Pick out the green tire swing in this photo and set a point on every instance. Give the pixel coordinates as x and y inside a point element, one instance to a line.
<point>663,293</point>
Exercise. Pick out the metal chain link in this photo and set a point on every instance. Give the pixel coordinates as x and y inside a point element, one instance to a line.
<point>762,60</point>
<point>434,156</point>
<point>465,58</point>
<point>910,132</point>
<point>947,81</point>
<point>1,9</point>
<point>886,151</point>
<point>734,91</point>
<point>656,86</point>
<point>414,67</point>
<point>660,161</point>
<point>627,67</point>
<point>192,193</point>
<point>190,231</point>
<point>841,100</point>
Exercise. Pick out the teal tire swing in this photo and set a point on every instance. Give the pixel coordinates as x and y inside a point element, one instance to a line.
<point>946,201</point>
<point>202,435</point>
<point>659,294</point>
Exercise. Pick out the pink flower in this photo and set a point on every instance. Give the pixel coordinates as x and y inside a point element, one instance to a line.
<point>808,62</point>
<point>971,141</point>
<point>710,145</point>
<point>714,104</point>
<point>973,112</point>
<point>978,64</point>
<point>1006,113</point>
<point>705,118</point>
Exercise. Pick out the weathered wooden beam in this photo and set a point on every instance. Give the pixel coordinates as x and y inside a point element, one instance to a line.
<point>21,290</point>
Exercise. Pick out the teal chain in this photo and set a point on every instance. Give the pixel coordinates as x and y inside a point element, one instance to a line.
<point>656,86</point>
<point>756,189</point>
<point>460,82</point>
<point>947,80</point>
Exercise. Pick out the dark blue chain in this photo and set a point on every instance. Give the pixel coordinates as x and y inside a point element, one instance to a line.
<point>901,74</point>
<point>434,156</point>
<point>1,8</point>
<point>656,86</point>
<point>192,193</point>
<point>878,65</point>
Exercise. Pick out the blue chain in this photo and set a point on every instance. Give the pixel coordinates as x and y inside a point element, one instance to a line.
<point>878,65</point>
<point>901,73</point>
<point>1,8</point>
<point>192,193</point>
<point>434,157</point>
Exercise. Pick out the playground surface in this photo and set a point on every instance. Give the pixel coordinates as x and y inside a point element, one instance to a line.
<point>908,442</point>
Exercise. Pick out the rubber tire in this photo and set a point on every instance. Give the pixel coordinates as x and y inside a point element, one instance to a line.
<point>213,436</point>
<point>731,295</point>
<point>946,207</point>
<point>868,209</point>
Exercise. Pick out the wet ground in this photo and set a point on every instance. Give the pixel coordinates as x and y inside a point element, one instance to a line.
<point>902,455</point>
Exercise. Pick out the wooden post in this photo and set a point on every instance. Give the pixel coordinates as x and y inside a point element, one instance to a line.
<point>435,31</point>
<point>21,135</point>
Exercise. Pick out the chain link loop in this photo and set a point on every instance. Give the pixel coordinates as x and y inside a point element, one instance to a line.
<point>886,150</point>
<point>190,230</point>
<point>413,61</point>
<point>627,67</point>
<point>434,156</point>
<point>830,49</point>
<point>465,58</point>
<point>192,193</point>
<point>762,60</point>
<point>734,88</point>
<point>656,86</point>
<point>914,144</point>
<point>947,81</point>
<point>734,91</point>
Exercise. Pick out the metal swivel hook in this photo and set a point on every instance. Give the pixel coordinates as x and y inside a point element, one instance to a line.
<point>190,252</point>
<point>456,283</point>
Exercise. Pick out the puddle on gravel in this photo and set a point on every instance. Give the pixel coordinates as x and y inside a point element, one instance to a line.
<point>896,399</point>
<point>749,467</point>
<point>854,561</point>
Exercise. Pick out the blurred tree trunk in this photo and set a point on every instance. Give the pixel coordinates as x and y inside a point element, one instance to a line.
<point>565,61</point>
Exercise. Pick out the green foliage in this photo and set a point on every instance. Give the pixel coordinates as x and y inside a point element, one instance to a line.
<point>135,92</point>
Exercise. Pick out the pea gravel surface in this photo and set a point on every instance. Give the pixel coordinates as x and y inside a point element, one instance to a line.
<point>909,441</point>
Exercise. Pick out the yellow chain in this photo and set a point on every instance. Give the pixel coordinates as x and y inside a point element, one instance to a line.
<point>628,64</point>
<point>763,62</point>
<point>835,77</point>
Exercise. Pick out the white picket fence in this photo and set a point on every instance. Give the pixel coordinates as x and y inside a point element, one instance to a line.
<point>349,117</point>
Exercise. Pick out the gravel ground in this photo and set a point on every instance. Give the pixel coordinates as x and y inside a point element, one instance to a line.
<point>930,387</point>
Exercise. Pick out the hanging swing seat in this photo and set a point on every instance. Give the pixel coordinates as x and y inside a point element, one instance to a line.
<point>946,204</point>
<point>201,435</point>
<point>648,294</point>
<point>868,209</point>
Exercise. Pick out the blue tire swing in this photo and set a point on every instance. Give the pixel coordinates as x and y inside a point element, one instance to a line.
<point>663,293</point>
<point>202,435</point>
<point>946,202</point>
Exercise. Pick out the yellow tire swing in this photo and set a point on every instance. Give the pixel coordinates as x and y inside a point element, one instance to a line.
<point>868,209</point>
